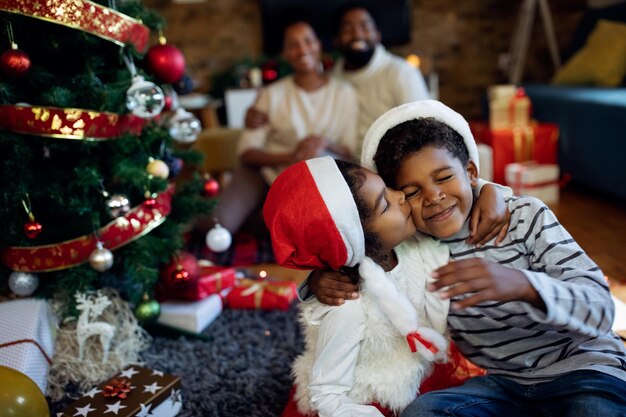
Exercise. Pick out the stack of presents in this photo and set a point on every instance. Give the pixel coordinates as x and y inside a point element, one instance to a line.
<point>192,303</point>
<point>514,149</point>
<point>192,296</point>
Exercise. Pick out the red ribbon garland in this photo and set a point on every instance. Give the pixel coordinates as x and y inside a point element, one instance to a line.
<point>33,341</point>
<point>411,338</point>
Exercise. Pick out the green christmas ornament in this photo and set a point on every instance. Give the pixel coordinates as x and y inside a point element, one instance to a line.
<point>148,310</point>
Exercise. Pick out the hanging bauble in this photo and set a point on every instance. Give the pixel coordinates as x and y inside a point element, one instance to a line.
<point>182,268</point>
<point>184,127</point>
<point>148,310</point>
<point>211,187</point>
<point>175,165</point>
<point>20,395</point>
<point>117,205</point>
<point>144,98</point>
<point>101,259</point>
<point>218,239</point>
<point>157,168</point>
<point>166,62</point>
<point>23,283</point>
<point>32,229</point>
<point>184,85</point>
<point>14,62</point>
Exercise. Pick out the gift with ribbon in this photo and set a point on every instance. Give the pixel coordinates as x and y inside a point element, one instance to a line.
<point>537,142</point>
<point>27,336</point>
<point>263,295</point>
<point>509,107</point>
<point>136,391</point>
<point>537,180</point>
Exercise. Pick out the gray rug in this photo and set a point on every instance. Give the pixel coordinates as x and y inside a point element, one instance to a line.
<point>243,371</point>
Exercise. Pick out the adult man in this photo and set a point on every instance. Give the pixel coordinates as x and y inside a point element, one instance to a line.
<point>381,80</point>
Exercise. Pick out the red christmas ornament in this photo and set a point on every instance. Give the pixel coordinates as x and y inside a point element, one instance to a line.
<point>166,62</point>
<point>32,229</point>
<point>14,62</point>
<point>211,187</point>
<point>182,269</point>
<point>168,103</point>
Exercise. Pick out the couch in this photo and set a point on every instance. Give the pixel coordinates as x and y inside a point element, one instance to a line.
<point>592,143</point>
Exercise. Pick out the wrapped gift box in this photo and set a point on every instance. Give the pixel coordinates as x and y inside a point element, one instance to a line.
<point>192,316</point>
<point>537,180</point>
<point>264,295</point>
<point>27,333</point>
<point>509,107</point>
<point>538,142</point>
<point>485,158</point>
<point>213,279</point>
<point>152,393</point>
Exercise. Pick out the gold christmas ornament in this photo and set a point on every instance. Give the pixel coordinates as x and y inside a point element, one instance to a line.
<point>101,259</point>
<point>158,168</point>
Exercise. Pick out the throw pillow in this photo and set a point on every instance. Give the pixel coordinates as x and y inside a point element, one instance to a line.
<point>601,62</point>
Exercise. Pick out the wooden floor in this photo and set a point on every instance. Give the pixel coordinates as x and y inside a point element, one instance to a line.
<point>598,224</point>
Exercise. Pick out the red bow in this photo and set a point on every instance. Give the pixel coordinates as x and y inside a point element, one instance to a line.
<point>117,388</point>
<point>411,338</point>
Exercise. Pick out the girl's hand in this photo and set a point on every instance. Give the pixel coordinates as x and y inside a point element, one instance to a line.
<point>483,280</point>
<point>332,288</point>
<point>489,218</point>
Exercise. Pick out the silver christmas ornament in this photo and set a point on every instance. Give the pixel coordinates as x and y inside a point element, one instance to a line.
<point>117,205</point>
<point>184,127</point>
<point>144,98</point>
<point>23,284</point>
<point>218,239</point>
<point>101,259</point>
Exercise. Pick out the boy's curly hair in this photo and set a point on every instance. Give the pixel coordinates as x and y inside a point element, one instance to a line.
<point>409,137</point>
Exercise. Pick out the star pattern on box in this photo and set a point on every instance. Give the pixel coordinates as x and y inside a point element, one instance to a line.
<point>92,392</point>
<point>128,373</point>
<point>145,410</point>
<point>114,408</point>
<point>83,411</point>
<point>160,397</point>
<point>152,388</point>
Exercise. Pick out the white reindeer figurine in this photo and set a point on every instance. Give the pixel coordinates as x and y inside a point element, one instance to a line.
<point>91,306</point>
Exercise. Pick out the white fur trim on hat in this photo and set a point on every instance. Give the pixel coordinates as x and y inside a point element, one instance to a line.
<point>340,203</point>
<point>411,111</point>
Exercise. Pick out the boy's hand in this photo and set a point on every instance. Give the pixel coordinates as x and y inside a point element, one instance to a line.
<point>332,288</point>
<point>489,218</point>
<point>484,280</point>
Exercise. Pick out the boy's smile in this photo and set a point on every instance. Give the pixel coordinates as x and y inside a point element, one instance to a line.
<point>439,190</point>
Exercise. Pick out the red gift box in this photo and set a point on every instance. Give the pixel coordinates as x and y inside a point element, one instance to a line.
<point>263,295</point>
<point>213,279</point>
<point>537,142</point>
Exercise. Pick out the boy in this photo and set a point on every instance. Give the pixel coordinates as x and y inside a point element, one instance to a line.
<point>535,311</point>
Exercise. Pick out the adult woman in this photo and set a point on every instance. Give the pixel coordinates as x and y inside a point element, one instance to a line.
<point>310,114</point>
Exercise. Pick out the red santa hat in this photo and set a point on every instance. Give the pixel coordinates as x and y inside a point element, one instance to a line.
<point>312,217</point>
<point>411,111</point>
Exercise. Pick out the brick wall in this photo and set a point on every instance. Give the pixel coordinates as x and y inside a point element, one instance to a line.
<point>461,40</point>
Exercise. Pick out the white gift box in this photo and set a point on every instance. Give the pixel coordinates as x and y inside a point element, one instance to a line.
<point>537,180</point>
<point>485,160</point>
<point>27,330</point>
<point>192,316</point>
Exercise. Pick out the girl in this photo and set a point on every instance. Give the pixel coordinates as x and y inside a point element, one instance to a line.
<point>323,213</point>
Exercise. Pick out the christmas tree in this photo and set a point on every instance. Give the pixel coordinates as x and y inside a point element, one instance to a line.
<point>90,150</point>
